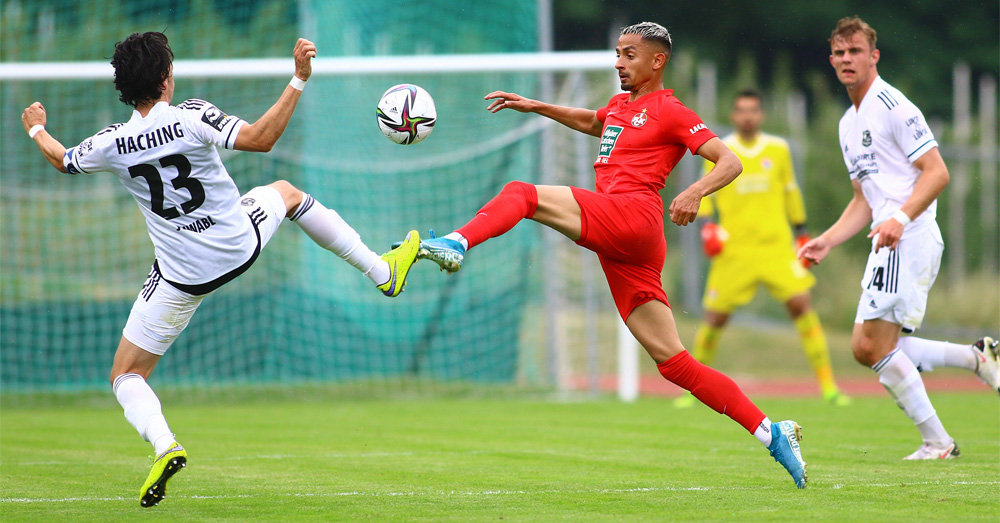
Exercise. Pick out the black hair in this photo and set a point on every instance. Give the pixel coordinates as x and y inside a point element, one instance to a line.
<point>750,92</point>
<point>142,62</point>
<point>651,31</point>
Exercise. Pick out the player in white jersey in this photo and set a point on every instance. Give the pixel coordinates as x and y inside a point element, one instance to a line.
<point>204,232</point>
<point>897,173</point>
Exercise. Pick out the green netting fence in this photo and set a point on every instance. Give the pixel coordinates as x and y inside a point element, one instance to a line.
<point>74,251</point>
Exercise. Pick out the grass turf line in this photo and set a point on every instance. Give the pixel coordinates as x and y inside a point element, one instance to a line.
<point>483,460</point>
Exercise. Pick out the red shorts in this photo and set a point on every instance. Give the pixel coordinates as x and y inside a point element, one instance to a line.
<point>626,232</point>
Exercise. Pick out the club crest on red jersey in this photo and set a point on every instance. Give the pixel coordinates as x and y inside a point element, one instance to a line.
<point>640,119</point>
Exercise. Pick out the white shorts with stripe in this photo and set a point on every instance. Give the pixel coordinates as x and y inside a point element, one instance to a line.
<point>896,282</point>
<point>163,309</point>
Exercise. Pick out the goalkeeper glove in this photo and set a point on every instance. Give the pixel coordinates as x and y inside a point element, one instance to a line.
<point>713,238</point>
<point>801,239</point>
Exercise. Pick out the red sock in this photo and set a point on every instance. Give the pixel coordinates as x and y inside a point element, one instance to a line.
<point>517,201</point>
<point>712,388</point>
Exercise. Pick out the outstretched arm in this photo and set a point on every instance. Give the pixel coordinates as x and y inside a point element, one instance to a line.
<point>53,151</point>
<point>684,209</point>
<point>578,119</point>
<point>261,135</point>
<point>856,215</point>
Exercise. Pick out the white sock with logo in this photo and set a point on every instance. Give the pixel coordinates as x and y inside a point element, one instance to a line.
<point>332,233</point>
<point>459,238</point>
<point>927,354</point>
<point>899,376</point>
<point>763,432</point>
<point>143,411</point>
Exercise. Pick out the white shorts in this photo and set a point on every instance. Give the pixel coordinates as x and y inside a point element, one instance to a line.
<point>161,312</point>
<point>896,282</point>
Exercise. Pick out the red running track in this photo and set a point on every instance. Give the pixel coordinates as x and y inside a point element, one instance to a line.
<point>789,386</point>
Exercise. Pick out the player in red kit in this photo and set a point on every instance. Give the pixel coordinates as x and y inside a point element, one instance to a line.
<point>644,133</point>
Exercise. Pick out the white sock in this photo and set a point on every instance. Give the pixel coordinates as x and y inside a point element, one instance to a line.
<point>763,432</point>
<point>332,233</point>
<point>927,354</point>
<point>459,238</point>
<point>143,410</point>
<point>899,376</point>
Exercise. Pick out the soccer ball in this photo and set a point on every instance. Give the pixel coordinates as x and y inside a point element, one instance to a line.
<point>406,114</point>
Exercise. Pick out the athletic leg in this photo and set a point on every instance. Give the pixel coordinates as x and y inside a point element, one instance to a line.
<point>874,343</point>
<point>814,345</point>
<point>652,323</point>
<point>979,357</point>
<point>132,366</point>
<point>325,227</point>
<point>129,372</point>
<point>553,206</point>
<point>706,343</point>
<point>159,314</point>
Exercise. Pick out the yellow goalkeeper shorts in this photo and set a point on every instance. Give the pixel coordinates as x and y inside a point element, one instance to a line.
<point>734,276</point>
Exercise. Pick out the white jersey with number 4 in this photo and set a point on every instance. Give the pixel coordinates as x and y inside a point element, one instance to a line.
<point>880,140</point>
<point>169,162</point>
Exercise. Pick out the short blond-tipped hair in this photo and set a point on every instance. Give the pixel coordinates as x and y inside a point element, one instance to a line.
<point>849,25</point>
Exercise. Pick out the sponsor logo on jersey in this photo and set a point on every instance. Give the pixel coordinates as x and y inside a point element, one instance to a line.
<point>86,147</point>
<point>866,138</point>
<point>247,202</point>
<point>766,163</point>
<point>155,138</point>
<point>864,165</point>
<point>608,141</point>
<point>640,119</point>
<point>198,225</point>
<point>918,127</point>
<point>697,128</point>
<point>215,118</point>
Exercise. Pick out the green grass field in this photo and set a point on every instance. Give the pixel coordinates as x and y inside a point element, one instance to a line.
<point>495,460</point>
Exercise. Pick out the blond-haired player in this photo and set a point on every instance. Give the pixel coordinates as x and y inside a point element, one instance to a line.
<point>897,174</point>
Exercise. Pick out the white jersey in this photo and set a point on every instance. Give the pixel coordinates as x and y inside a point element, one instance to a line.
<point>880,140</point>
<point>169,162</point>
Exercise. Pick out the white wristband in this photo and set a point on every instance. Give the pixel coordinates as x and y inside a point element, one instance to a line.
<point>901,217</point>
<point>34,130</point>
<point>297,83</point>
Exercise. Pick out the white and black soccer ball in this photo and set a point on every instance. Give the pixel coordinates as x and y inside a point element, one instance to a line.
<point>406,114</point>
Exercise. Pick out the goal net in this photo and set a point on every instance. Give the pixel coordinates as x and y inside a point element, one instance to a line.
<point>527,310</point>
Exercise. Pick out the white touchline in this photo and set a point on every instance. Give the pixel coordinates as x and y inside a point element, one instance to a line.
<point>485,493</point>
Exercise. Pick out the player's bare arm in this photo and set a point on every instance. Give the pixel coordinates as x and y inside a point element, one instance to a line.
<point>933,179</point>
<point>856,215</point>
<point>261,135</point>
<point>684,209</point>
<point>578,119</point>
<point>53,151</point>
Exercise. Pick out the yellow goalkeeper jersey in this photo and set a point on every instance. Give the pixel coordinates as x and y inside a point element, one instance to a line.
<point>759,206</point>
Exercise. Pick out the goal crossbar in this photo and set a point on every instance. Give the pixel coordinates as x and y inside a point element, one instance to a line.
<point>336,66</point>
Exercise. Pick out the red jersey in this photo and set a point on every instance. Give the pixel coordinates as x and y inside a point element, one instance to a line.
<point>643,141</point>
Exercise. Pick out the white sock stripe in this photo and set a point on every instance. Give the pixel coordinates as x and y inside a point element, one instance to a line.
<point>882,362</point>
<point>121,379</point>
<point>307,203</point>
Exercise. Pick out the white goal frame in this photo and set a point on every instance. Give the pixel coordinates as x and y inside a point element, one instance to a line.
<point>562,61</point>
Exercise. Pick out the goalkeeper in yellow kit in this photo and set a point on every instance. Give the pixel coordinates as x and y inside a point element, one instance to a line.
<point>752,244</point>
